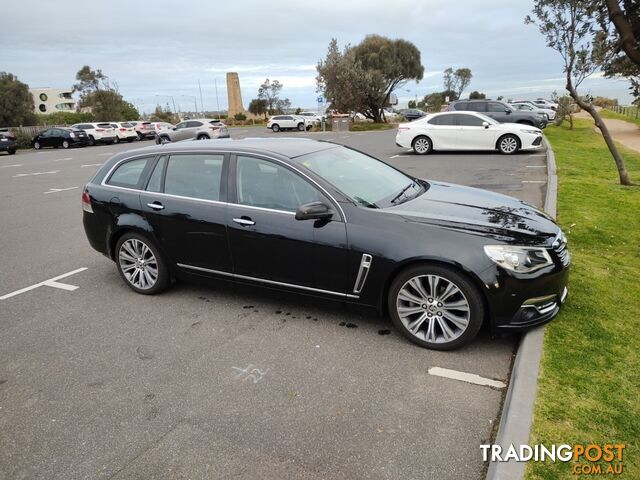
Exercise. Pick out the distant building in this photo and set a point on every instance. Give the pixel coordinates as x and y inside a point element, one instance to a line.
<point>51,100</point>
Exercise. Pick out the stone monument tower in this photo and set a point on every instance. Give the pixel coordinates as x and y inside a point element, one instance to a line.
<point>234,95</point>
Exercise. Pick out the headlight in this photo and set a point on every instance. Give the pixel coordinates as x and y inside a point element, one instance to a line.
<point>518,259</point>
<point>533,132</point>
<point>71,134</point>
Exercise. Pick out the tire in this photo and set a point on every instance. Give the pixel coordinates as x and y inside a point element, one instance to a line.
<point>422,145</point>
<point>275,127</point>
<point>508,144</point>
<point>140,136</point>
<point>116,140</point>
<point>301,127</point>
<point>203,137</point>
<point>65,144</point>
<point>92,141</point>
<point>132,249</point>
<point>36,145</point>
<point>433,325</point>
<point>12,151</point>
<point>129,140</point>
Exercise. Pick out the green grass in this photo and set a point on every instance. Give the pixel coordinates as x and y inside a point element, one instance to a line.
<point>589,385</point>
<point>619,116</point>
<point>366,126</point>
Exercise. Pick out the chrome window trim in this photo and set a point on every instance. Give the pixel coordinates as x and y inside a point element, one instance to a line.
<point>256,155</point>
<point>263,280</point>
<point>363,272</point>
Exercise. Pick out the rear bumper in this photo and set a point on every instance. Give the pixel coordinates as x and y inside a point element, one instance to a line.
<point>106,139</point>
<point>6,146</point>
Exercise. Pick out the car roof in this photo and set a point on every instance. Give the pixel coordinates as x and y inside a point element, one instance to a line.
<point>286,147</point>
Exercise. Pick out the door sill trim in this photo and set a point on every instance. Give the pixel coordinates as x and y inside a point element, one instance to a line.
<point>269,282</point>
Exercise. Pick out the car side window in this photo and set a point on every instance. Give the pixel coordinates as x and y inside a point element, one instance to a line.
<point>181,125</point>
<point>192,124</point>
<point>195,176</point>
<point>469,121</point>
<point>461,106</point>
<point>444,120</point>
<point>476,107</point>
<point>155,181</point>
<point>496,108</point>
<point>265,184</point>
<point>128,174</point>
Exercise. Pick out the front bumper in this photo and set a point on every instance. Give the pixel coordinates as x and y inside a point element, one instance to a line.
<point>9,145</point>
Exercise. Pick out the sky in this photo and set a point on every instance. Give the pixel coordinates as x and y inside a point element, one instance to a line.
<point>156,52</point>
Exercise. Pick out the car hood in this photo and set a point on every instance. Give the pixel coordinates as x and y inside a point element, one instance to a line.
<point>518,126</point>
<point>479,211</point>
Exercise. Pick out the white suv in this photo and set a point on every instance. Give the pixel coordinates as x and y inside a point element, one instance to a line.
<point>314,118</point>
<point>97,132</point>
<point>287,122</point>
<point>124,132</point>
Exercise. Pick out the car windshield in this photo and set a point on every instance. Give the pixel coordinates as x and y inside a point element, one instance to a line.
<point>367,181</point>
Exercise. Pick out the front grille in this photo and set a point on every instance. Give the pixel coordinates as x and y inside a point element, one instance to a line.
<point>560,248</point>
<point>537,141</point>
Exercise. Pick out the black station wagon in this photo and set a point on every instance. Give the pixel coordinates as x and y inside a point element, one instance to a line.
<point>323,219</point>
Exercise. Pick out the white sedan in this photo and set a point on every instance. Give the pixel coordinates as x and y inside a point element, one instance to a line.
<point>466,131</point>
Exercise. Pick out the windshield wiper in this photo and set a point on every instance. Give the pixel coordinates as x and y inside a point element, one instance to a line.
<point>362,201</point>
<point>402,192</point>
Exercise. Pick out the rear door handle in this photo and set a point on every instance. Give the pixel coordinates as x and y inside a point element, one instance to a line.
<point>244,221</point>
<point>156,205</point>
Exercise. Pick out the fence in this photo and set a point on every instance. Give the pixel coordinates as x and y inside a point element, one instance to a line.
<point>631,112</point>
<point>32,131</point>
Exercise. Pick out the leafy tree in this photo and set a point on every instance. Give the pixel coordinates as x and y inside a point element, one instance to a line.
<point>412,104</point>
<point>475,95</point>
<point>456,80</point>
<point>16,102</point>
<point>362,78</point>
<point>259,106</point>
<point>433,101</point>
<point>128,111</point>
<point>270,92</point>
<point>568,27</point>
<point>283,105</point>
<point>164,115</point>
<point>64,118</point>
<point>240,117</point>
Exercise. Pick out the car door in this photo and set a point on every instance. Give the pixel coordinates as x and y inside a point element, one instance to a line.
<point>499,112</point>
<point>185,202</point>
<point>443,131</point>
<point>473,135</point>
<point>192,128</point>
<point>57,137</point>
<point>179,132</point>
<point>268,243</point>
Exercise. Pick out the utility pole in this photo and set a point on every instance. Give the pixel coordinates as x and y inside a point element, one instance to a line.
<point>201,103</point>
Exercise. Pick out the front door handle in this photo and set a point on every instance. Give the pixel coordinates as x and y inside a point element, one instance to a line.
<point>156,205</point>
<point>244,221</point>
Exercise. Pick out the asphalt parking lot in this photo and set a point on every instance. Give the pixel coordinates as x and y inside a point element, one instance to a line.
<point>227,381</point>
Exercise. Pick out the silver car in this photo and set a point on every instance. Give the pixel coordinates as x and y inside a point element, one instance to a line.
<point>197,128</point>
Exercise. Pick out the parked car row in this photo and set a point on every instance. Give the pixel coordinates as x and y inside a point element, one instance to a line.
<point>196,128</point>
<point>302,123</point>
<point>8,141</point>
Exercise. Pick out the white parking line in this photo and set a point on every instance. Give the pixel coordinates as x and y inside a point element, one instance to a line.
<point>399,156</point>
<point>63,159</point>
<point>536,166</point>
<point>92,165</point>
<point>56,190</point>
<point>465,377</point>
<point>534,181</point>
<point>52,282</point>
<point>17,175</point>
<point>10,166</point>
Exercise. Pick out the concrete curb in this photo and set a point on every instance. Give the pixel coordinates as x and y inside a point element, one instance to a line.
<point>517,411</point>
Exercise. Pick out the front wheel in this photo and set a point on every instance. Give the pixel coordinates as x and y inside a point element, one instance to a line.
<point>301,127</point>
<point>508,144</point>
<point>203,137</point>
<point>140,136</point>
<point>141,265</point>
<point>421,145</point>
<point>12,151</point>
<point>275,127</point>
<point>36,145</point>
<point>92,141</point>
<point>65,144</point>
<point>435,307</point>
<point>116,140</point>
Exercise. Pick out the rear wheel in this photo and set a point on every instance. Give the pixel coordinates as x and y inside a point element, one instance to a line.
<point>36,145</point>
<point>435,307</point>
<point>12,151</point>
<point>508,144</point>
<point>422,145</point>
<point>116,140</point>
<point>140,136</point>
<point>92,141</point>
<point>301,127</point>
<point>65,144</point>
<point>141,265</point>
<point>275,127</point>
<point>202,136</point>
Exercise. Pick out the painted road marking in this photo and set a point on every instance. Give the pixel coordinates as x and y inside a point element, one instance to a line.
<point>52,282</point>
<point>10,166</point>
<point>56,190</point>
<point>536,166</point>
<point>92,165</point>
<point>63,159</point>
<point>466,377</point>
<point>399,156</point>
<point>37,173</point>
<point>534,181</point>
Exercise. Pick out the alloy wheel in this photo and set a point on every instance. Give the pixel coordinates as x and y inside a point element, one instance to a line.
<point>433,309</point>
<point>65,144</point>
<point>508,145</point>
<point>422,145</point>
<point>36,145</point>
<point>138,264</point>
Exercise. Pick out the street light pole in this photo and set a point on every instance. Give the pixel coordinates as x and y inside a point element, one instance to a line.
<point>201,102</point>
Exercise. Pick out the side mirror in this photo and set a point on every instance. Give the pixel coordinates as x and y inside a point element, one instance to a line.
<point>485,124</point>
<point>507,111</point>
<point>313,211</point>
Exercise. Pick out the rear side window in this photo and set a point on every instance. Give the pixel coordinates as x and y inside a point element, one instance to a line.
<point>461,106</point>
<point>194,176</point>
<point>448,120</point>
<point>128,174</point>
<point>126,125</point>
<point>469,121</point>
<point>193,124</point>
<point>496,107</point>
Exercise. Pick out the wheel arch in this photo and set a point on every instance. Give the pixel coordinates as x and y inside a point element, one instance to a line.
<point>506,134</point>
<point>129,223</point>
<point>434,261</point>
<point>427,136</point>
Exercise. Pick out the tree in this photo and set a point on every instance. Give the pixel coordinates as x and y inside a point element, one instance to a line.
<point>259,106</point>
<point>362,77</point>
<point>128,111</point>
<point>105,101</point>
<point>164,115</point>
<point>16,102</point>
<point>412,104</point>
<point>568,27</point>
<point>456,81</point>
<point>475,95</point>
<point>270,92</point>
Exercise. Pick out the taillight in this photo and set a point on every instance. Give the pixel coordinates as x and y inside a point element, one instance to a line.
<point>402,129</point>
<point>123,129</point>
<point>86,202</point>
<point>99,129</point>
